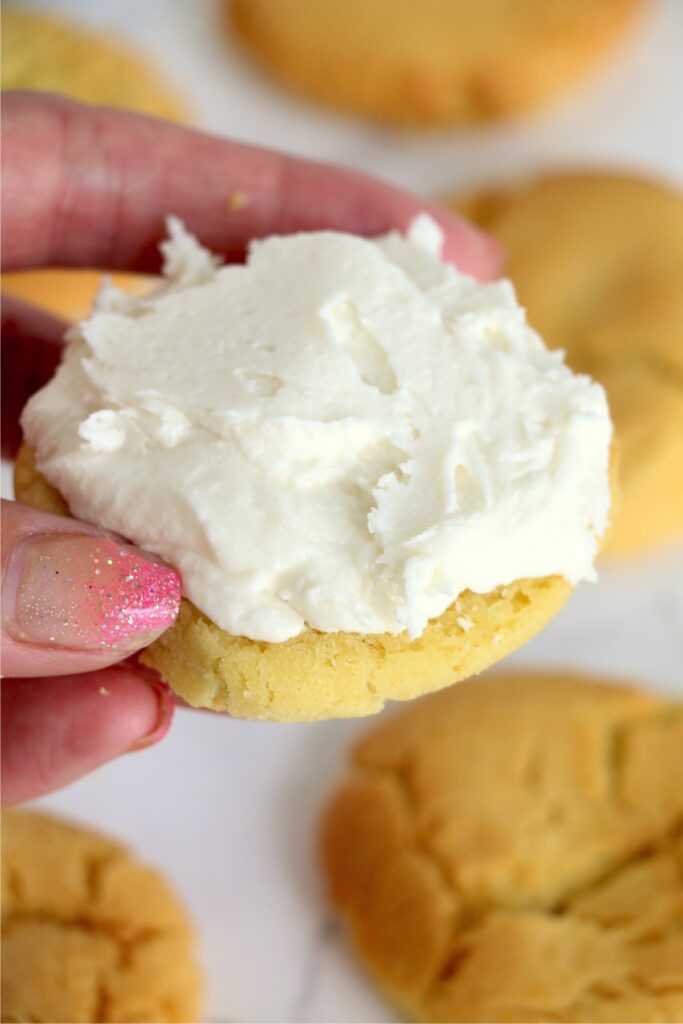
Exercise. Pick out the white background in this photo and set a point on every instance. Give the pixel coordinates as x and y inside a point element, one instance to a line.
<point>229,808</point>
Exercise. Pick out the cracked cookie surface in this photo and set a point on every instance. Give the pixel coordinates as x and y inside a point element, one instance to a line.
<point>597,260</point>
<point>432,61</point>
<point>89,933</point>
<point>329,675</point>
<point>512,850</point>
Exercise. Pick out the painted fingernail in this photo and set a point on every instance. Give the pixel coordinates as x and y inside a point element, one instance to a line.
<point>87,593</point>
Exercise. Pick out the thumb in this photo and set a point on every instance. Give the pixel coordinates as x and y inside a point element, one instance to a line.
<point>73,598</point>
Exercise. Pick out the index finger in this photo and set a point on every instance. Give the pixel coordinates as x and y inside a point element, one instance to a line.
<point>89,186</point>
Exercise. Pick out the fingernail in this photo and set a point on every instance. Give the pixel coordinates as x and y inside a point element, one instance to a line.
<point>87,593</point>
<point>166,705</point>
<point>496,255</point>
<point>476,253</point>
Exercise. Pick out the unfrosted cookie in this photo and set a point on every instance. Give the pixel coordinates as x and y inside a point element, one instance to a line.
<point>597,260</point>
<point>42,52</point>
<point>511,850</point>
<point>430,61</point>
<point>330,675</point>
<point>89,933</point>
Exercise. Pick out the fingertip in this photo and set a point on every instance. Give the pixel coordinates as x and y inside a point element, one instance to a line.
<point>56,730</point>
<point>120,711</point>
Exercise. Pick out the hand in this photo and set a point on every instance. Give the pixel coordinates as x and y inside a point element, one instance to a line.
<point>86,186</point>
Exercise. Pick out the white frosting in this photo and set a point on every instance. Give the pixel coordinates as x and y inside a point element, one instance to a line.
<point>342,433</point>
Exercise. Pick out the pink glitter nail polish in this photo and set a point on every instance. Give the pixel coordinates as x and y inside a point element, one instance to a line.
<point>84,593</point>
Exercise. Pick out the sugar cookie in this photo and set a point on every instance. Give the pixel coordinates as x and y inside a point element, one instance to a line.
<point>88,932</point>
<point>373,477</point>
<point>597,260</point>
<point>42,52</point>
<point>430,61</point>
<point>511,850</point>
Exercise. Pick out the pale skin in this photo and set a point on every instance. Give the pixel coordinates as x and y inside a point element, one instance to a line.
<point>87,186</point>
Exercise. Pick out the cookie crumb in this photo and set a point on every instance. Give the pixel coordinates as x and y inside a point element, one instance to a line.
<point>237,201</point>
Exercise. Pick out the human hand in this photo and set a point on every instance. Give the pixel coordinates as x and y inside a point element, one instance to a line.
<point>87,186</point>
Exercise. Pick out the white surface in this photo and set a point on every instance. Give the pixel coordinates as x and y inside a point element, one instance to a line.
<point>229,808</point>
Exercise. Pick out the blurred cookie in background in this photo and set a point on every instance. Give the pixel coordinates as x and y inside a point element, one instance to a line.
<point>88,932</point>
<point>431,61</point>
<point>597,260</point>
<point>511,850</point>
<point>42,52</point>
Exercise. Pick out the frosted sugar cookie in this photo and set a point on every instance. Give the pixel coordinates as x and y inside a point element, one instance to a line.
<point>372,475</point>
